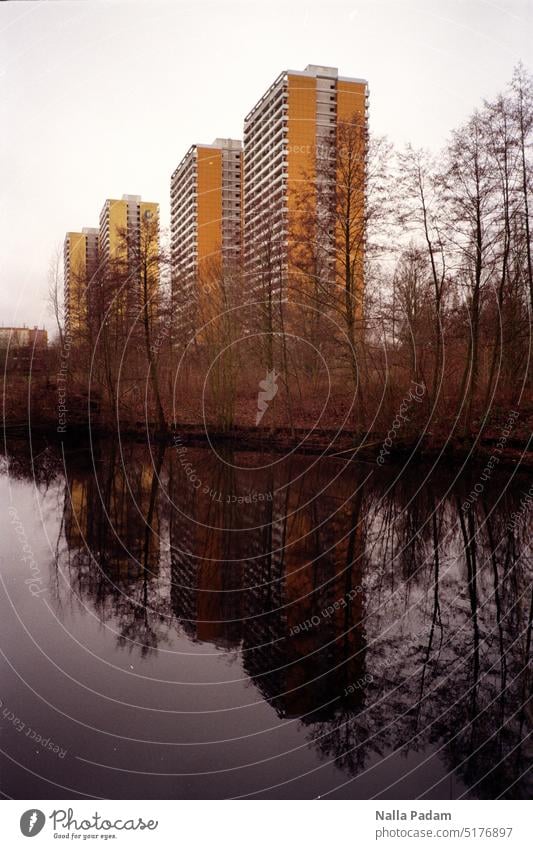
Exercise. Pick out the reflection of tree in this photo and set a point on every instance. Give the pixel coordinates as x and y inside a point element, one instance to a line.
<point>432,652</point>
<point>464,692</point>
<point>148,609</point>
<point>111,521</point>
<point>42,464</point>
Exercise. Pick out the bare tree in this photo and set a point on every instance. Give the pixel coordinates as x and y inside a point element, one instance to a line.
<point>56,302</point>
<point>336,225</point>
<point>140,297</point>
<point>468,186</point>
<point>522,90</point>
<point>413,295</point>
<point>502,153</point>
<point>421,192</point>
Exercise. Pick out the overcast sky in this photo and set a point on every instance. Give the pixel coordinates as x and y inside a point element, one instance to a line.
<point>104,98</point>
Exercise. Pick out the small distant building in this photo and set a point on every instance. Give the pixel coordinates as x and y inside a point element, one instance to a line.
<point>23,337</point>
<point>23,348</point>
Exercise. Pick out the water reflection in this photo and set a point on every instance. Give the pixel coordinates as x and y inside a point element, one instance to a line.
<point>366,604</point>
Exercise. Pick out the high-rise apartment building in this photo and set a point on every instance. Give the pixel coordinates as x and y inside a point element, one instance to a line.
<point>129,249</point>
<point>92,252</point>
<point>206,210</point>
<point>121,221</point>
<point>80,259</point>
<point>288,136</point>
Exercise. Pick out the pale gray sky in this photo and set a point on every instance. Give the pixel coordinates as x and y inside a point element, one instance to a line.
<point>104,98</point>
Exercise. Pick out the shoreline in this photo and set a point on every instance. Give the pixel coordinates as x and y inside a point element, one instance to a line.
<point>475,449</point>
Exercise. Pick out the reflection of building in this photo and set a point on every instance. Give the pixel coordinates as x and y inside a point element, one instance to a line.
<point>80,258</point>
<point>205,199</point>
<point>206,574</point>
<point>296,119</point>
<point>207,597</point>
<point>258,588</point>
<point>309,647</point>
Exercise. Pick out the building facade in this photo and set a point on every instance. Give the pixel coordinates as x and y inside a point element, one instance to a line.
<point>129,256</point>
<point>289,137</point>
<point>23,337</point>
<point>23,349</point>
<point>206,211</point>
<point>80,260</point>
<point>101,264</point>
<point>121,225</point>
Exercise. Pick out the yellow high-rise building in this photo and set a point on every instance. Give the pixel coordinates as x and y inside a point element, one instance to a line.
<point>80,259</point>
<point>206,204</point>
<point>288,137</point>
<point>113,253</point>
<point>121,221</point>
<point>129,247</point>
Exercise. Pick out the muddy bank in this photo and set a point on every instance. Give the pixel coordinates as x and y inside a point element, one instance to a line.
<point>488,447</point>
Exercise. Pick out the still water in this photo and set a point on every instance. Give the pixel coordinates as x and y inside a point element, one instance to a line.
<point>198,622</point>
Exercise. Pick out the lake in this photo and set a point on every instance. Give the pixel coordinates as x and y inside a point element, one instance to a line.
<point>199,622</point>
